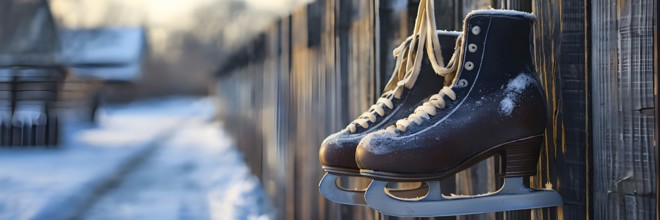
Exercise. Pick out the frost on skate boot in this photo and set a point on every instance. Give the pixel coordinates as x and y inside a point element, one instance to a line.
<point>404,92</point>
<point>337,153</point>
<point>494,105</point>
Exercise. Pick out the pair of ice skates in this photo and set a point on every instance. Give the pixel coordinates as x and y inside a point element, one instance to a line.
<point>439,116</point>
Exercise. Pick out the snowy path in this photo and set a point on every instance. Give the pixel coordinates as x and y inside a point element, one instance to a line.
<point>155,159</point>
<point>37,183</point>
<point>195,174</point>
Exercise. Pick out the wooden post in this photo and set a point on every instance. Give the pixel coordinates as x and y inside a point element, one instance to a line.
<point>284,108</point>
<point>561,34</point>
<point>623,118</point>
<point>656,141</point>
<point>657,110</point>
<point>520,5</point>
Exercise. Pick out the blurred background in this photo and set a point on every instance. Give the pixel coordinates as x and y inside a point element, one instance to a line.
<point>184,41</point>
<point>106,109</point>
<point>215,109</point>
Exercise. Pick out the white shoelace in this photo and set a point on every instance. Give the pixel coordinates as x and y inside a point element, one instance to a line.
<point>425,27</point>
<point>428,109</point>
<point>437,101</point>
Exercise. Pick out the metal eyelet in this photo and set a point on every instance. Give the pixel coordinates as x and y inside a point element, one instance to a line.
<point>462,83</point>
<point>476,30</point>
<point>469,65</point>
<point>472,48</point>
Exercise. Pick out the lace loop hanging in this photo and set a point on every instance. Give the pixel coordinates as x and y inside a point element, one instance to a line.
<point>408,57</point>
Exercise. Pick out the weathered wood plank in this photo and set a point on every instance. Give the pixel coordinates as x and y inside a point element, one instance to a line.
<point>656,89</point>
<point>392,23</point>
<point>302,62</point>
<point>622,54</point>
<point>561,60</point>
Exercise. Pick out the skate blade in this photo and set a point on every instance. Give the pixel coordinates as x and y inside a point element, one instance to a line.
<point>512,196</point>
<point>331,191</point>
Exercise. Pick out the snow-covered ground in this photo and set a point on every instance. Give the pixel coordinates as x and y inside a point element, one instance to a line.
<point>159,159</point>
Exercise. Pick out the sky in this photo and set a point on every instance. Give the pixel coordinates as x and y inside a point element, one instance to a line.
<point>187,39</point>
<point>235,18</point>
<point>171,13</point>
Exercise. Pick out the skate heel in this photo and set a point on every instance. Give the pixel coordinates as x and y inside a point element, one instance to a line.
<point>519,158</point>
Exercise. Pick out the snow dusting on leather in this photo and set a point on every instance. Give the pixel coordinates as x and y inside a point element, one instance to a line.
<point>513,91</point>
<point>378,148</point>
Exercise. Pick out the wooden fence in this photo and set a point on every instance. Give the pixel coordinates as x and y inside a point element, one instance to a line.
<point>30,75</point>
<point>313,71</point>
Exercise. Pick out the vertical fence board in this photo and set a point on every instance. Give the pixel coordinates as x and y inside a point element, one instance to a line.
<point>656,140</point>
<point>301,57</point>
<point>656,89</point>
<point>286,109</point>
<point>623,123</point>
<point>561,60</point>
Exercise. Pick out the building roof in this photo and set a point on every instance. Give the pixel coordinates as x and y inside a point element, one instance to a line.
<point>111,54</point>
<point>28,35</point>
<point>102,46</point>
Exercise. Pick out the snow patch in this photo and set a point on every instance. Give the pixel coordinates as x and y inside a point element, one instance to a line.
<point>501,12</point>
<point>378,148</point>
<point>198,164</point>
<point>334,138</point>
<point>196,174</point>
<point>513,90</point>
<point>242,199</point>
<point>506,105</point>
<point>447,32</point>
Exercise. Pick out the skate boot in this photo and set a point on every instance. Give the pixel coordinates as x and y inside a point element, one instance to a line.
<point>337,152</point>
<point>493,105</point>
<point>406,90</point>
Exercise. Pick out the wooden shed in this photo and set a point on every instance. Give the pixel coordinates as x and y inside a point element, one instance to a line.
<point>109,54</point>
<point>104,63</point>
<point>313,71</point>
<point>30,74</point>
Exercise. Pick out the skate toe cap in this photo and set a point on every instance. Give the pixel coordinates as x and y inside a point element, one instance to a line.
<point>387,152</point>
<point>338,151</point>
<point>375,149</point>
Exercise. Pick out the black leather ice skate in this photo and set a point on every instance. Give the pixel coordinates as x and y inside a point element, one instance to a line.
<point>406,90</point>
<point>337,153</point>
<point>494,105</point>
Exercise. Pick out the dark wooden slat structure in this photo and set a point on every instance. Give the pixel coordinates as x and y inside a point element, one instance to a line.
<point>30,75</point>
<point>562,62</point>
<point>312,72</point>
<point>623,115</point>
